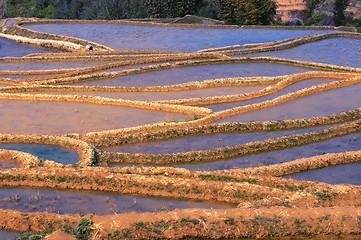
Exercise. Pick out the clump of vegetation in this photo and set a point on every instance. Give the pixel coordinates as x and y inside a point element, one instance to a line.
<point>29,235</point>
<point>245,12</point>
<point>82,231</point>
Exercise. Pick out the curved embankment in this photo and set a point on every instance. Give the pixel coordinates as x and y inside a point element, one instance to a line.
<point>88,155</point>
<point>127,136</point>
<point>267,205</point>
<point>227,113</point>
<point>288,43</point>
<point>26,160</point>
<point>236,150</point>
<point>214,224</point>
<point>156,67</point>
<point>53,41</point>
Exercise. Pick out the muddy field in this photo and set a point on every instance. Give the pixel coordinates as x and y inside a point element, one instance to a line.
<point>176,131</point>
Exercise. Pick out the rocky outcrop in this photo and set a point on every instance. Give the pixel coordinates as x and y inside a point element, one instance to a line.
<point>294,22</point>
<point>322,13</point>
<point>290,8</point>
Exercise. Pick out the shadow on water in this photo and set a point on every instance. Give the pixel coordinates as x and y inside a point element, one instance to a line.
<point>57,154</point>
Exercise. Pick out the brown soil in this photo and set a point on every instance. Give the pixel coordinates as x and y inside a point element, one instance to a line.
<point>265,204</point>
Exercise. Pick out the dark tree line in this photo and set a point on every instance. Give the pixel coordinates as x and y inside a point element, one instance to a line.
<point>248,12</point>
<point>231,11</point>
<point>339,12</point>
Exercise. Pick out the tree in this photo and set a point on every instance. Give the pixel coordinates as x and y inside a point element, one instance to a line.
<point>153,8</point>
<point>259,12</point>
<point>339,11</point>
<point>255,12</point>
<point>3,9</point>
<point>226,10</point>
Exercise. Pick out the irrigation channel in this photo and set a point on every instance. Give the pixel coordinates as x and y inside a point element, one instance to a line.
<point>179,131</point>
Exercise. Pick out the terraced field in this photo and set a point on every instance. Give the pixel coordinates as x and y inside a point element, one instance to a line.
<point>178,131</point>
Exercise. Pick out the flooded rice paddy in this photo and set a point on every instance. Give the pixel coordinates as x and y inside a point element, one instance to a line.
<point>197,73</point>
<point>320,104</point>
<point>153,96</point>
<point>8,235</point>
<point>340,174</point>
<point>47,65</point>
<point>91,125</point>
<point>57,154</point>
<point>350,142</point>
<point>205,142</point>
<point>9,48</point>
<point>84,202</point>
<point>289,89</point>
<point>20,117</point>
<point>347,50</point>
<point>167,38</point>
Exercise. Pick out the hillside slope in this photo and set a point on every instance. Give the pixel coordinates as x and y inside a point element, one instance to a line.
<point>314,11</point>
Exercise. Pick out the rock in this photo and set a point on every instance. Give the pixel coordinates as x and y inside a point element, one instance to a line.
<point>294,22</point>
<point>89,47</point>
<point>326,21</point>
<point>191,19</point>
<point>60,235</point>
